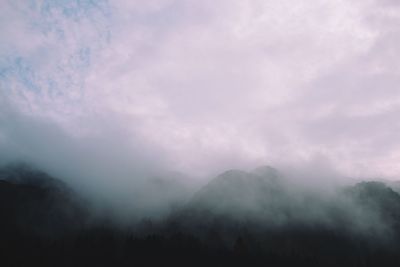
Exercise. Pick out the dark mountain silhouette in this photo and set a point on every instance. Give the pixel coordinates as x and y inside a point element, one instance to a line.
<point>33,203</point>
<point>238,219</point>
<point>24,174</point>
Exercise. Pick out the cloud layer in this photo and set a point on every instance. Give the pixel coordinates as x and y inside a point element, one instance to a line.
<point>200,86</point>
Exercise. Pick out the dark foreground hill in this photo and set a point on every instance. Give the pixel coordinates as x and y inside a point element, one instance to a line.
<point>238,219</point>
<point>33,203</point>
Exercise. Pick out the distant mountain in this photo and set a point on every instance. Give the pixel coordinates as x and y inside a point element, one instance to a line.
<point>260,199</point>
<point>32,202</point>
<point>378,198</point>
<point>238,219</point>
<point>395,185</point>
<point>268,172</point>
<point>264,198</point>
<point>172,188</point>
<point>24,174</point>
<point>237,193</point>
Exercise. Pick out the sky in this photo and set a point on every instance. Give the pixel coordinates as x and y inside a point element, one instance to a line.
<point>111,88</point>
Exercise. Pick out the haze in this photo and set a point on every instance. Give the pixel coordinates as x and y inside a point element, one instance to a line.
<point>106,94</point>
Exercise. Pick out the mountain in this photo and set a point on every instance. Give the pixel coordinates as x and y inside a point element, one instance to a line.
<point>379,199</point>
<point>264,199</point>
<point>22,173</point>
<point>236,193</point>
<point>32,202</point>
<point>170,191</point>
<point>395,185</point>
<point>239,218</point>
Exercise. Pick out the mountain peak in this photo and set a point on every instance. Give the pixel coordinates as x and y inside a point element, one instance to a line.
<point>266,171</point>
<point>24,174</point>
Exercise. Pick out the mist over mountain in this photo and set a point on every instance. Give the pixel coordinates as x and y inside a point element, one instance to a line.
<point>34,203</point>
<point>237,217</point>
<point>208,133</point>
<point>236,193</point>
<point>268,200</point>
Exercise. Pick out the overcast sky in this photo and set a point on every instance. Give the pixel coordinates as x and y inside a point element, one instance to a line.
<point>201,86</point>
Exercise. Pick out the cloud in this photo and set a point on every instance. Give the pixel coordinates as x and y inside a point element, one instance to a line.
<point>202,86</point>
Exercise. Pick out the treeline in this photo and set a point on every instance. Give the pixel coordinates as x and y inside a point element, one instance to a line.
<point>43,224</point>
<point>104,246</point>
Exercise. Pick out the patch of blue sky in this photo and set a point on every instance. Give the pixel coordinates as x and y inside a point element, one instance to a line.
<point>21,70</point>
<point>52,14</point>
<point>75,9</point>
<point>26,74</point>
<point>54,90</point>
<point>82,58</point>
<point>64,77</point>
<point>5,68</point>
<point>5,77</point>
<point>25,70</point>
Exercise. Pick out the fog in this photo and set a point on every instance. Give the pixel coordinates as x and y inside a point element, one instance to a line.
<point>114,97</point>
